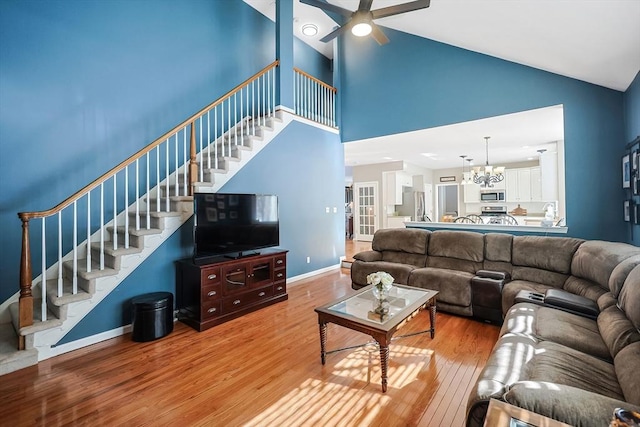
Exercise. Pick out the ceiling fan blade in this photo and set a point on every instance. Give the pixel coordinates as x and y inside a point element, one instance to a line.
<point>378,35</point>
<point>365,5</point>
<point>328,7</point>
<point>400,8</point>
<point>335,33</point>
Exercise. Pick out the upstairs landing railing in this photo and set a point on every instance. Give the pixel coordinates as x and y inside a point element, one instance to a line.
<point>313,99</point>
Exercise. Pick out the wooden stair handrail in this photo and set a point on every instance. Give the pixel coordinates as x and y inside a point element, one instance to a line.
<point>31,215</point>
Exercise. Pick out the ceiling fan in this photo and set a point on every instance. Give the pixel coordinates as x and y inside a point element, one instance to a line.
<point>361,21</point>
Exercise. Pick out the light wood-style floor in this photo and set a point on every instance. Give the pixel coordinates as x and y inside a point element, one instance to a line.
<point>259,370</point>
<point>352,247</point>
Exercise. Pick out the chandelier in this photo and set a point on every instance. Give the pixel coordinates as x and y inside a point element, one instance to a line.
<point>489,175</point>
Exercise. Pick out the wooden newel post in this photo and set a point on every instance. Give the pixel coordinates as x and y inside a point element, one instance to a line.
<point>193,166</point>
<point>26,298</point>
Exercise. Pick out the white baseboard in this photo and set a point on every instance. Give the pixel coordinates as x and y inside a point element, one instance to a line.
<point>292,280</point>
<point>84,342</point>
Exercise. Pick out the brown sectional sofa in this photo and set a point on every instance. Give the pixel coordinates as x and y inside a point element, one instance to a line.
<point>566,366</point>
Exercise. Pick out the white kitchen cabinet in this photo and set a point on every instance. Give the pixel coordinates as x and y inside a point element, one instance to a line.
<point>536,185</point>
<point>395,182</point>
<point>549,176</point>
<point>518,185</point>
<point>471,193</point>
<point>397,221</point>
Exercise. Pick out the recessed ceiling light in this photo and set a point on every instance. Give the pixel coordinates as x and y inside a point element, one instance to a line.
<point>428,154</point>
<point>529,158</point>
<point>525,146</point>
<point>388,158</point>
<point>309,30</point>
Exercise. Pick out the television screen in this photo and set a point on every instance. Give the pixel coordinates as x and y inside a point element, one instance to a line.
<point>230,224</point>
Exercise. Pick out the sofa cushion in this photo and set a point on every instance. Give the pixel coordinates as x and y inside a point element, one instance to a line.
<point>571,330</point>
<point>454,287</point>
<point>463,245</point>
<point>545,253</point>
<point>559,364</point>
<point>570,405</point>
<point>620,274</point>
<point>550,324</point>
<point>410,240</point>
<point>416,260</point>
<point>595,260</point>
<point>629,298</point>
<point>627,366</point>
<point>583,287</point>
<point>368,256</point>
<point>497,247</point>
<point>539,275</point>
<point>360,270</point>
<point>616,329</point>
<point>606,300</point>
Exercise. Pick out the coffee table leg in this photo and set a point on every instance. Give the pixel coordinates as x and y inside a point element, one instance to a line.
<point>384,362</point>
<point>323,341</point>
<point>432,316</point>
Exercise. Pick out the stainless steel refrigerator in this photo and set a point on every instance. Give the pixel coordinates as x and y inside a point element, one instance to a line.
<point>413,205</point>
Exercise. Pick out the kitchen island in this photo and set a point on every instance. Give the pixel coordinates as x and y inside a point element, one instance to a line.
<point>526,229</point>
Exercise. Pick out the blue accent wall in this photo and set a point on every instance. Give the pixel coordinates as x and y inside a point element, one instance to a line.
<point>414,83</point>
<point>302,166</point>
<point>85,84</point>
<point>310,61</point>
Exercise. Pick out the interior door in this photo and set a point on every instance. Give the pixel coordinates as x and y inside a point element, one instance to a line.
<point>366,208</point>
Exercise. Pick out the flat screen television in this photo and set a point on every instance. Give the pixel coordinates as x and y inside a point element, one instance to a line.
<point>234,225</point>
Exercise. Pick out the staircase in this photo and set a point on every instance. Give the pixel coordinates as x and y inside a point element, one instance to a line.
<point>223,137</point>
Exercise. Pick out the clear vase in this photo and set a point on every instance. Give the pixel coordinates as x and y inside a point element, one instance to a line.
<point>381,291</point>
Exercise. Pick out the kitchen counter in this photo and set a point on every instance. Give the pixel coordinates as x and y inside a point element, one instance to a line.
<point>528,229</point>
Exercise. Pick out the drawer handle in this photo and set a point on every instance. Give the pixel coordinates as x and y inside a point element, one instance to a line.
<point>212,293</point>
<point>279,261</point>
<point>236,302</point>
<point>279,288</point>
<point>211,276</point>
<point>261,294</point>
<point>212,310</point>
<point>279,274</point>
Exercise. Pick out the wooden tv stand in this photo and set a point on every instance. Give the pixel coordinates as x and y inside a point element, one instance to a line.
<point>224,288</point>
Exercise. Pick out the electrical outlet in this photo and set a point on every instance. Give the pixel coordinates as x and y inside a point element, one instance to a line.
<point>308,259</point>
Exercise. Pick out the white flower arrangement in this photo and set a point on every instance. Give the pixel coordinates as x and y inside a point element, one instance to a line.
<point>380,279</point>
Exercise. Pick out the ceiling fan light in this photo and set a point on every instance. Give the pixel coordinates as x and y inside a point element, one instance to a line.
<point>309,30</point>
<point>362,29</point>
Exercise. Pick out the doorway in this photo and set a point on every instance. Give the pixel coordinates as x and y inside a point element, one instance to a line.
<point>365,210</point>
<point>446,201</point>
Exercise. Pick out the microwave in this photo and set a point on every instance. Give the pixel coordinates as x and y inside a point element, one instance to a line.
<point>492,195</point>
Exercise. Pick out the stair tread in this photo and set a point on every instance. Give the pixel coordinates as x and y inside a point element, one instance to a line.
<point>121,250</point>
<point>12,359</point>
<point>95,269</point>
<point>38,324</point>
<point>67,293</point>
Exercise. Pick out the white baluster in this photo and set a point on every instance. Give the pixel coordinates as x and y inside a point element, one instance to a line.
<point>208,140</point>
<point>115,212</point>
<point>186,162</point>
<point>157,180</point>
<point>201,154</point>
<point>241,118</point>
<point>43,306</point>
<point>148,194</point>
<point>138,195</point>
<point>235,119</point>
<point>89,231</point>
<point>177,168</point>
<point>273,91</point>
<point>268,93</point>
<point>102,226</point>
<point>215,137</point>
<point>126,207</point>
<point>60,254</point>
<point>166,186</point>
<point>253,106</point>
<point>75,249</point>
<point>264,106</point>
<point>228,132</point>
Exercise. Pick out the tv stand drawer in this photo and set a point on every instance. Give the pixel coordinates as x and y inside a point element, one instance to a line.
<point>240,301</point>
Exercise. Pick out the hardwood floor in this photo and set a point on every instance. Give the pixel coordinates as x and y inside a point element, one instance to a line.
<point>352,247</point>
<point>259,370</point>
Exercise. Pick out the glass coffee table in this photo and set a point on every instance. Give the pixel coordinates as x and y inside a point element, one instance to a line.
<point>363,312</point>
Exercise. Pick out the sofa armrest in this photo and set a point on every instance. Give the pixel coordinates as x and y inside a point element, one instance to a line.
<point>497,275</point>
<point>564,403</point>
<point>368,256</point>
